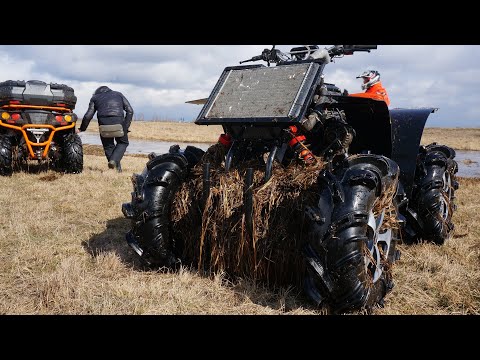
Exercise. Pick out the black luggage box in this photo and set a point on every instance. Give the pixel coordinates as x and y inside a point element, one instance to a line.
<point>35,92</point>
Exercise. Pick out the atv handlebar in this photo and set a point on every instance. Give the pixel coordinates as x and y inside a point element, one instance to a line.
<point>340,50</point>
<point>255,58</point>
<point>369,47</point>
<point>269,55</point>
<point>275,56</point>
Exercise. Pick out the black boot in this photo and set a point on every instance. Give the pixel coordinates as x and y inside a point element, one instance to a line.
<point>112,164</point>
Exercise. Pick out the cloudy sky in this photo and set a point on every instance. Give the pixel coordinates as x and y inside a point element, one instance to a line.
<point>159,79</point>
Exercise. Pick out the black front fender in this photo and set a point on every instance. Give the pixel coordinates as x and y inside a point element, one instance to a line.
<point>407,129</point>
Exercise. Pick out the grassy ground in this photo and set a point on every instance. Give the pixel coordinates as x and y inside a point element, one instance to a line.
<point>443,279</point>
<point>457,138</point>
<point>169,131</point>
<point>460,139</point>
<point>62,251</point>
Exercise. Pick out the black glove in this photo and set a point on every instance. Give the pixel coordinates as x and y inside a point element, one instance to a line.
<point>345,92</point>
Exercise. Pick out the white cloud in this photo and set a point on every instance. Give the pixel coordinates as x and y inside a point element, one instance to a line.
<point>160,78</point>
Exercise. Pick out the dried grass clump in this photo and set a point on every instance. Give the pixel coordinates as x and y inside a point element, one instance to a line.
<point>385,202</point>
<point>214,237</point>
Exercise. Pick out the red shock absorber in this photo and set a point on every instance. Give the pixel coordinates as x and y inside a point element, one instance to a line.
<point>225,140</point>
<point>298,145</point>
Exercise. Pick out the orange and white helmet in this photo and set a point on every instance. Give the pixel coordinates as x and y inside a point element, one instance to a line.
<point>370,77</point>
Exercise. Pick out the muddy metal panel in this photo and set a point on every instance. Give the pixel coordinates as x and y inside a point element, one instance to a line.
<point>261,95</point>
<point>407,130</point>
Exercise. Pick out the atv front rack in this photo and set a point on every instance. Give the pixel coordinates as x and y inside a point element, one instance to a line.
<point>37,129</point>
<point>31,127</point>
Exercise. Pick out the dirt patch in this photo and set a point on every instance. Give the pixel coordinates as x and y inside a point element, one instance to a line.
<point>96,150</point>
<point>50,177</point>
<point>138,155</point>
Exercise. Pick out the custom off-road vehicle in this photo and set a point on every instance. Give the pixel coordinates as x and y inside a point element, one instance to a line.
<point>306,186</point>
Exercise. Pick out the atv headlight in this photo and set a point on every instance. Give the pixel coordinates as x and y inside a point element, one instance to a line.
<point>68,118</point>
<point>5,116</point>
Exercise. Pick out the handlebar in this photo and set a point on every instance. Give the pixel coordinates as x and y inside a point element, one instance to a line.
<point>370,47</point>
<point>255,58</point>
<point>339,50</point>
<point>269,55</point>
<point>275,56</point>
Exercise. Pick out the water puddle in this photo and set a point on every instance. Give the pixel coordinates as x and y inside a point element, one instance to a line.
<point>468,161</point>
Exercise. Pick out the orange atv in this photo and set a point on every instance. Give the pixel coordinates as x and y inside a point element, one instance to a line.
<point>37,123</point>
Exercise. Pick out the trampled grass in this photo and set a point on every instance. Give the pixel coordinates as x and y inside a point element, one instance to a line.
<point>63,251</point>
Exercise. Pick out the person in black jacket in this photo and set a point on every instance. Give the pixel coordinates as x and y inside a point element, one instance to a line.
<point>110,106</point>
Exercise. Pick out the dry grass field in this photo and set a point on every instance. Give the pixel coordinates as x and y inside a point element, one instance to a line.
<point>63,251</point>
<point>169,131</point>
<point>458,138</point>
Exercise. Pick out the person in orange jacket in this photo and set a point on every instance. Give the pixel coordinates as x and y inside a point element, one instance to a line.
<point>372,86</point>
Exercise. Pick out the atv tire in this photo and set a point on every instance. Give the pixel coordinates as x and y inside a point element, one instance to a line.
<point>6,168</point>
<point>349,253</point>
<point>433,194</point>
<point>72,154</point>
<point>151,203</point>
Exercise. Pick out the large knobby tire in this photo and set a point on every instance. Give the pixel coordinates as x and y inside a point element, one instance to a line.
<point>5,155</point>
<point>434,193</point>
<point>149,209</point>
<point>350,251</point>
<point>72,154</point>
